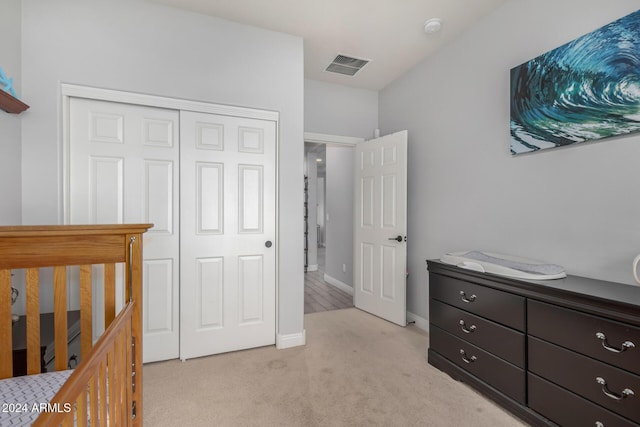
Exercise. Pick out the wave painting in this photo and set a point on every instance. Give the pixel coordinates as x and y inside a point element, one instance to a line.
<point>584,90</point>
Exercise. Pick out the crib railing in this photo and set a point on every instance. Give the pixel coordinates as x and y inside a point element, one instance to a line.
<point>107,376</point>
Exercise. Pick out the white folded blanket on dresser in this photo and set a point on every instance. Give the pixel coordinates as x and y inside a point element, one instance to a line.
<point>517,265</point>
<point>504,265</point>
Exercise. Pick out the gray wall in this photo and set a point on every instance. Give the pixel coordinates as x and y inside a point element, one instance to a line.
<point>10,188</point>
<point>339,208</point>
<point>141,47</point>
<point>339,110</point>
<point>577,206</point>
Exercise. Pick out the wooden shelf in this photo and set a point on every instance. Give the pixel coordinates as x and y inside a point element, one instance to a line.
<point>10,104</point>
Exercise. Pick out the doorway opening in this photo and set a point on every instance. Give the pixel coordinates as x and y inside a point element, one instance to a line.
<point>374,210</point>
<point>328,228</point>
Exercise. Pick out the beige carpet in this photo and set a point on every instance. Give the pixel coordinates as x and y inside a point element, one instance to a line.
<point>356,370</point>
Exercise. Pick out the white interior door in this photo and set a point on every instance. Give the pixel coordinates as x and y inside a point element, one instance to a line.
<point>381,226</point>
<point>124,168</point>
<point>227,268</point>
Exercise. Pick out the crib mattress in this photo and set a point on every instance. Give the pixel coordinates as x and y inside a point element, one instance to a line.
<point>504,265</point>
<point>24,398</point>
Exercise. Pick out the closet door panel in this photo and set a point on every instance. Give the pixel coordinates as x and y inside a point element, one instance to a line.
<point>228,204</point>
<point>124,168</point>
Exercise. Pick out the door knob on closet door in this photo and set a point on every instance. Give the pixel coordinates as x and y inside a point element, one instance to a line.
<point>268,243</point>
<point>397,239</point>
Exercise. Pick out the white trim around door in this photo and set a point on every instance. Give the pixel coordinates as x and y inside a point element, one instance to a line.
<point>322,138</point>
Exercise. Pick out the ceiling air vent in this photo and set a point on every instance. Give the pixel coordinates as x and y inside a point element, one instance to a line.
<point>346,65</point>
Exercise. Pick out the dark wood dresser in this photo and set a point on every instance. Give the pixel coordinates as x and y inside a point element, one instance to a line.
<point>47,338</point>
<point>558,352</point>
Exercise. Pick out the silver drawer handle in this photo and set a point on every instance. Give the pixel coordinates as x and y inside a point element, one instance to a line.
<point>74,359</point>
<point>627,392</point>
<point>625,345</point>
<point>465,329</point>
<point>472,298</point>
<point>467,359</point>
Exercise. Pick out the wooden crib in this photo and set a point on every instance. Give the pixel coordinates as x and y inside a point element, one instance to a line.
<point>106,387</point>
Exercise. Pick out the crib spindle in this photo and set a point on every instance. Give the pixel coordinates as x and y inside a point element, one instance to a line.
<point>6,354</point>
<point>86,305</point>
<point>103,391</point>
<point>128,368</point>
<point>109,294</point>
<point>33,321</point>
<point>81,409</point>
<point>111,373</point>
<point>93,401</point>
<point>117,384</point>
<point>60,316</point>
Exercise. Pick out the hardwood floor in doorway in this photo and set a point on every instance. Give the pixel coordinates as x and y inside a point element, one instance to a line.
<point>321,296</point>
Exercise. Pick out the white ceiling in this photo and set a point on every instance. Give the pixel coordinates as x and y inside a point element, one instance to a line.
<point>387,32</point>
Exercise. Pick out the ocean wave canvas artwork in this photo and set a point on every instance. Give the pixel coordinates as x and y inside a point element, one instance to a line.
<point>585,90</point>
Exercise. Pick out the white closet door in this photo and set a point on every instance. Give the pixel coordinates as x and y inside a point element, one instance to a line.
<point>124,168</point>
<point>228,253</point>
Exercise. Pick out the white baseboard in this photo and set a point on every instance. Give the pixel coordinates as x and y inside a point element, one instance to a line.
<point>338,284</point>
<point>313,267</point>
<point>291,340</point>
<point>421,322</point>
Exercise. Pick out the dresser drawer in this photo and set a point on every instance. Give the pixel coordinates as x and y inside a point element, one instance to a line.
<point>496,339</point>
<point>579,374</point>
<point>568,409</point>
<point>502,375</point>
<point>501,307</point>
<point>73,355</point>
<point>600,338</point>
